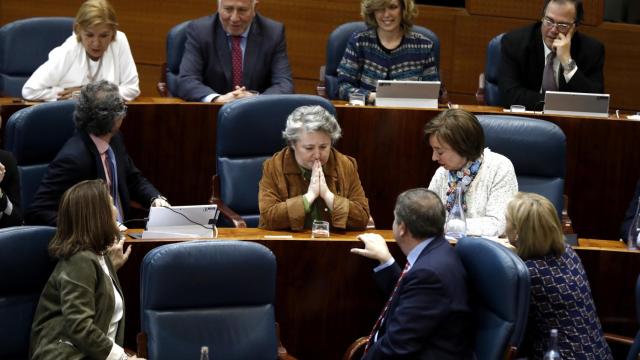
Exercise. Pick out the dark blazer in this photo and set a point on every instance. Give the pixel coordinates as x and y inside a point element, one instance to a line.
<point>80,287</point>
<point>79,160</point>
<point>630,214</point>
<point>206,63</point>
<point>429,317</point>
<point>10,186</point>
<point>522,66</point>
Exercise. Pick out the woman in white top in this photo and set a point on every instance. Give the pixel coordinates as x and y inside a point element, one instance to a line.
<point>95,51</point>
<point>80,314</point>
<point>488,179</point>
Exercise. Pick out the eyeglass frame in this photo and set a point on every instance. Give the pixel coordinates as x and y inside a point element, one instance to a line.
<point>549,22</point>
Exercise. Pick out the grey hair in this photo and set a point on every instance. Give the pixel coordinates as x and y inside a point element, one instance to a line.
<point>253,3</point>
<point>311,119</point>
<point>99,105</point>
<point>422,212</point>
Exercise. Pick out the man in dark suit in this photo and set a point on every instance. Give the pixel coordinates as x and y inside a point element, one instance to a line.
<point>550,55</point>
<point>427,315</point>
<point>95,151</point>
<point>233,52</point>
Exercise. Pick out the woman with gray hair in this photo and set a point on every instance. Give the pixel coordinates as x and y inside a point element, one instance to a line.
<point>310,180</point>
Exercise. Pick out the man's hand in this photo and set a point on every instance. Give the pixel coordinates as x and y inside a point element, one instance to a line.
<point>375,247</point>
<point>160,202</point>
<point>239,93</point>
<point>562,45</point>
<point>68,92</point>
<point>117,255</point>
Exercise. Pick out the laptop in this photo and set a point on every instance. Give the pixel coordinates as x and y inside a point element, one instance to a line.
<point>405,93</point>
<point>580,104</point>
<point>194,221</point>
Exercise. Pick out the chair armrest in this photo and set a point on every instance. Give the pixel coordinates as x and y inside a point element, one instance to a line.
<point>355,347</point>
<point>480,92</point>
<point>162,84</point>
<point>371,225</point>
<point>510,353</point>
<point>237,220</point>
<point>282,351</point>
<point>321,89</point>
<point>141,341</point>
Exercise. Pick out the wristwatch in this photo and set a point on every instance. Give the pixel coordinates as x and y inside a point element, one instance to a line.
<point>569,66</point>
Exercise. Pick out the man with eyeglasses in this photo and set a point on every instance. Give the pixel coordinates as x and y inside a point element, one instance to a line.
<point>95,151</point>
<point>550,55</point>
<point>233,54</point>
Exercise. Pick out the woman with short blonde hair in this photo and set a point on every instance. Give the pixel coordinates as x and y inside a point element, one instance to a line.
<point>96,51</point>
<point>560,293</point>
<point>369,7</point>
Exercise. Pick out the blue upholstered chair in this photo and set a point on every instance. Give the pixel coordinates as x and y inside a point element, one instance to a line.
<point>491,92</point>
<point>176,38</point>
<point>337,43</point>
<point>537,150</point>
<point>35,135</point>
<point>25,267</point>
<point>227,304</point>
<point>499,290</point>
<point>249,131</point>
<point>25,45</point>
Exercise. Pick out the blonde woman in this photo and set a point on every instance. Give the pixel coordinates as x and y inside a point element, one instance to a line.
<point>95,51</point>
<point>560,293</point>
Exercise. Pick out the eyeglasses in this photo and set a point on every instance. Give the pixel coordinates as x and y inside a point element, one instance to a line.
<point>562,27</point>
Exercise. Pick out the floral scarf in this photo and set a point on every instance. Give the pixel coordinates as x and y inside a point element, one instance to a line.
<point>462,177</point>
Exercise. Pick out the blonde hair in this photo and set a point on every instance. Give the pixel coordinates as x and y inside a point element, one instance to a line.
<point>369,7</point>
<point>95,12</point>
<point>535,222</point>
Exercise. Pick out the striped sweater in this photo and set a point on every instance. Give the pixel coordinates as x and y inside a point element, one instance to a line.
<point>366,61</point>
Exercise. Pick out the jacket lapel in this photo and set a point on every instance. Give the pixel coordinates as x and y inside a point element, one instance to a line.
<point>223,52</point>
<point>254,39</point>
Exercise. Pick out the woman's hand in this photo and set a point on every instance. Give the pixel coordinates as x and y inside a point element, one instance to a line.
<point>314,183</point>
<point>325,193</point>
<point>68,92</point>
<point>117,255</point>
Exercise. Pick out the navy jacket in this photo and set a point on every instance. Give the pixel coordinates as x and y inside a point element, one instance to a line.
<point>630,214</point>
<point>522,65</point>
<point>79,160</point>
<point>429,317</point>
<point>206,63</point>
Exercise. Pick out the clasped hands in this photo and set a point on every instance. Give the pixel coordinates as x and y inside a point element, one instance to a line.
<point>238,93</point>
<point>318,186</point>
<point>68,92</point>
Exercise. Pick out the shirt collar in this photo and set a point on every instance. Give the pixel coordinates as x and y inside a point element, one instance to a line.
<point>416,251</point>
<point>101,145</point>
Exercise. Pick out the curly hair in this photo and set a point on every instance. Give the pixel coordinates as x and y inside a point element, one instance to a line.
<point>98,108</point>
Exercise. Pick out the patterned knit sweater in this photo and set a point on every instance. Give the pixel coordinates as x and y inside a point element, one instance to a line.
<point>366,61</point>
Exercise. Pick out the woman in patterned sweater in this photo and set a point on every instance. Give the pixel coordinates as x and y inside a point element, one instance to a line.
<point>387,50</point>
<point>560,293</point>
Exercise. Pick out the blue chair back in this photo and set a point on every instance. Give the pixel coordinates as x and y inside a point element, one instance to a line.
<point>634,351</point>
<point>499,295</point>
<point>25,45</point>
<point>337,43</point>
<point>25,267</point>
<point>537,150</point>
<point>492,72</point>
<point>35,135</point>
<point>227,304</point>
<point>176,38</point>
<point>249,131</point>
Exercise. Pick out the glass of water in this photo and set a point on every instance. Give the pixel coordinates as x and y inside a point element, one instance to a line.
<point>320,229</point>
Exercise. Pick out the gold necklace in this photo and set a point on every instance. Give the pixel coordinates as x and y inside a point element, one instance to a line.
<point>92,77</point>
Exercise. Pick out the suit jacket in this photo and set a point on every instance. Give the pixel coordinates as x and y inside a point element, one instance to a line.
<point>10,186</point>
<point>79,160</point>
<point>206,63</point>
<point>522,65</point>
<point>429,317</point>
<point>282,187</point>
<point>630,214</point>
<point>79,287</point>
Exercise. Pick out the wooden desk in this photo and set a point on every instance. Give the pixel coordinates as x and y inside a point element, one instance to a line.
<point>326,297</point>
<point>173,143</point>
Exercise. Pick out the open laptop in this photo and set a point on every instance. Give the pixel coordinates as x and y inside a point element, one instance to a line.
<point>405,93</point>
<point>195,221</point>
<point>580,104</point>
